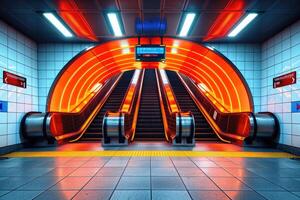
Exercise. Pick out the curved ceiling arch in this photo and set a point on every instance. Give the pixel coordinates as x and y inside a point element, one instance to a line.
<point>95,65</point>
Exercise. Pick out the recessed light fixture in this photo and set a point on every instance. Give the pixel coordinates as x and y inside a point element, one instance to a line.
<point>187,24</point>
<point>58,25</point>
<point>242,24</point>
<point>115,23</point>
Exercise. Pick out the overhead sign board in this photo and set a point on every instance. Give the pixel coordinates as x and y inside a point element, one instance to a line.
<point>295,106</point>
<point>150,53</point>
<point>284,80</point>
<point>13,79</point>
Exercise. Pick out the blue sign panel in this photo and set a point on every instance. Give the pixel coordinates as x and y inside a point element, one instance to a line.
<point>3,106</point>
<point>150,53</point>
<point>295,106</point>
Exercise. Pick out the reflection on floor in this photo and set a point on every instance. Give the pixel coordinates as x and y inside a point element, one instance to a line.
<point>135,177</point>
<point>200,146</point>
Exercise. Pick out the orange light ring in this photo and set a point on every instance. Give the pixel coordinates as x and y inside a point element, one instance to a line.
<point>91,76</point>
<point>188,72</point>
<point>68,70</point>
<point>81,66</point>
<point>196,68</point>
<point>216,74</point>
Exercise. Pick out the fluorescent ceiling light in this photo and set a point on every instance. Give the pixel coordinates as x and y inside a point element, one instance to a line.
<point>114,23</point>
<point>188,21</point>
<point>55,22</point>
<point>242,24</point>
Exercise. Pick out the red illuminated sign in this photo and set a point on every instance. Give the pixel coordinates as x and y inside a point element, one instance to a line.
<point>13,79</point>
<point>284,80</point>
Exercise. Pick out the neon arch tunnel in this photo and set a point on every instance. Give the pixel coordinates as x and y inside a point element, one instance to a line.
<point>87,72</point>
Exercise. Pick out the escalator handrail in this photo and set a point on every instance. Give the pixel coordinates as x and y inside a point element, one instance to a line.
<point>137,94</point>
<point>214,125</point>
<point>163,112</point>
<point>133,96</point>
<point>109,85</point>
<point>173,94</point>
<point>224,108</point>
<point>216,129</point>
<point>91,93</point>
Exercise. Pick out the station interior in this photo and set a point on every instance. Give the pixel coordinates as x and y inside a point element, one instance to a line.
<point>150,99</point>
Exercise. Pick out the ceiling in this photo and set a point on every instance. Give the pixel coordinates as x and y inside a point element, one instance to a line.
<point>25,16</point>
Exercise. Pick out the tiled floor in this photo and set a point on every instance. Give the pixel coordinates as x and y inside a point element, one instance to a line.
<point>149,178</point>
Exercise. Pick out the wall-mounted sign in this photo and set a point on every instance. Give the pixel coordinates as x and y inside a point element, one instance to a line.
<point>295,106</point>
<point>284,80</point>
<point>13,79</point>
<point>3,106</point>
<point>150,53</point>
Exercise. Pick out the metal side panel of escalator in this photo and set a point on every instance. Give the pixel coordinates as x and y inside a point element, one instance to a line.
<point>203,131</point>
<point>113,103</point>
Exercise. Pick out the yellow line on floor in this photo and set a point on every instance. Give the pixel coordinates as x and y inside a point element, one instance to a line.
<point>151,154</point>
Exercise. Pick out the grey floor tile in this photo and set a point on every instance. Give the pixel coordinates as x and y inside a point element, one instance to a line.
<point>61,171</point>
<point>190,171</point>
<point>57,195</point>
<point>289,184</point>
<point>41,183</point>
<point>131,194</point>
<point>93,195</point>
<point>199,183</point>
<point>296,193</point>
<point>227,164</point>
<point>161,163</point>
<point>116,163</point>
<point>102,183</point>
<point>71,183</point>
<point>208,195</point>
<point>205,163</point>
<point>96,164</point>
<point>240,172</point>
<point>134,183</point>
<point>167,183</point>
<point>244,195</point>
<point>139,163</point>
<point>212,171</point>
<point>164,172</point>
<point>20,195</point>
<point>3,192</point>
<point>226,183</point>
<point>10,183</point>
<point>137,171</point>
<point>170,195</point>
<point>259,184</point>
<point>184,163</point>
<point>86,171</point>
<point>110,171</point>
<point>278,195</point>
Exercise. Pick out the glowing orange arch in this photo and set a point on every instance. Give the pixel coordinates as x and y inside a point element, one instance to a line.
<point>92,67</point>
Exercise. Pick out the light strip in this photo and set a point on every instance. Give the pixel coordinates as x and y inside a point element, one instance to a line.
<point>188,21</point>
<point>58,25</point>
<point>115,25</point>
<point>242,24</point>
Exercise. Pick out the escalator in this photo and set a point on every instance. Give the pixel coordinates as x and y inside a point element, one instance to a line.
<point>94,131</point>
<point>149,124</point>
<point>203,131</point>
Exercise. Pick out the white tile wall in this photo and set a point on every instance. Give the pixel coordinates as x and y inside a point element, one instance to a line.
<point>280,55</point>
<point>247,58</point>
<point>51,59</point>
<point>18,54</point>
